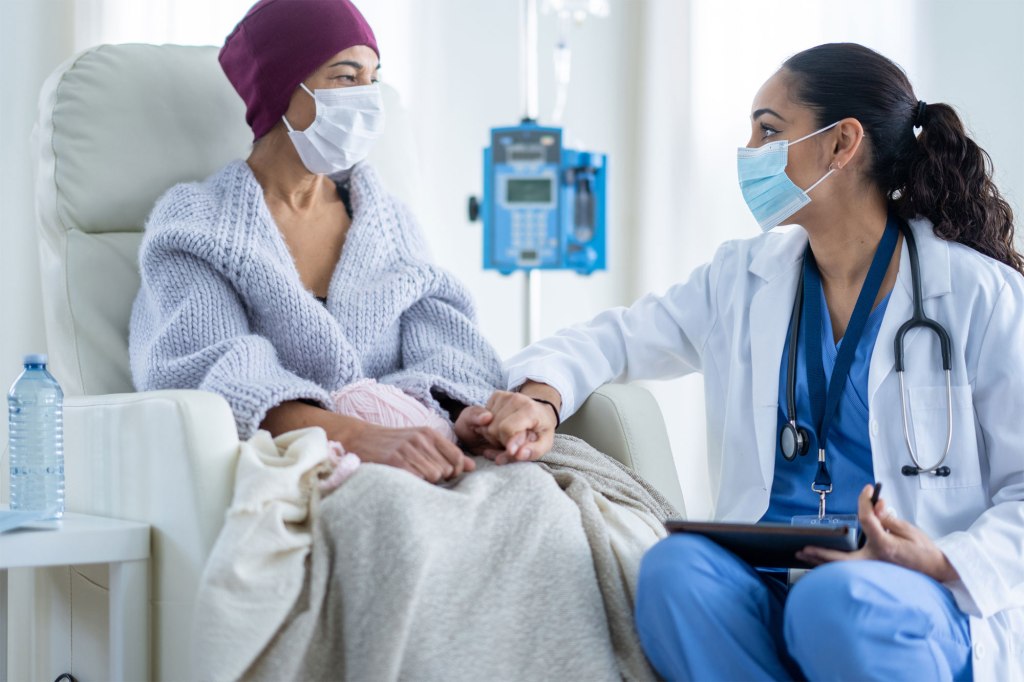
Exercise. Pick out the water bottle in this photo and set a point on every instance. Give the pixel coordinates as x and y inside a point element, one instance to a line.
<point>36,437</point>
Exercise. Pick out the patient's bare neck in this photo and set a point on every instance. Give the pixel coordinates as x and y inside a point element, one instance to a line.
<point>286,182</point>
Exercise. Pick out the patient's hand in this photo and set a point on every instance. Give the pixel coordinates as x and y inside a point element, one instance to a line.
<point>525,427</point>
<point>420,450</point>
<point>471,430</point>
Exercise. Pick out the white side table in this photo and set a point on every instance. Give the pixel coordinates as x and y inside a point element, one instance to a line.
<point>82,539</point>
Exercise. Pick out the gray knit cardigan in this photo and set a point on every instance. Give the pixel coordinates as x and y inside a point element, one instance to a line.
<point>222,308</point>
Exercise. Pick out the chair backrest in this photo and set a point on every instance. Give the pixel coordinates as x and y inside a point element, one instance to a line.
<point>118,126</point>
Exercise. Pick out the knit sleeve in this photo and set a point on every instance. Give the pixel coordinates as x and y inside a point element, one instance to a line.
<point>445,360</point>
<point>189,329</point>
<point>443,349</point>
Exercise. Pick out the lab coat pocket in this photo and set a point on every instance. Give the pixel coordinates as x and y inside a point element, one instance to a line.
<point>928,418</point>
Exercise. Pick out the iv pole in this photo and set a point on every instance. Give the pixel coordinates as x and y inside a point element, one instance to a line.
<point>530,90</point>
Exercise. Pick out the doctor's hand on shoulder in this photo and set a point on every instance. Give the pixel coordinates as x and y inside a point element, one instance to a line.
<point>521,425</point>
<point>889,539</point>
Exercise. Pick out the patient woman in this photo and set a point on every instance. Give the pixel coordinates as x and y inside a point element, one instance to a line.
<point>273,284</point>
<point>296,287</point>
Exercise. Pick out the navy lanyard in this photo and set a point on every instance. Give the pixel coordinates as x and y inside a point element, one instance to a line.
<point>824,401</point>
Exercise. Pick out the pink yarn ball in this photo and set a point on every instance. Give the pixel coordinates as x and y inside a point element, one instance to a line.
<point>386,405</point>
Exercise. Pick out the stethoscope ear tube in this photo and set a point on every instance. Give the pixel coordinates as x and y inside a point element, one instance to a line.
<point>919,319</point>
<point>793,440</point>
<point>937,469</point>
<point>928,323</point>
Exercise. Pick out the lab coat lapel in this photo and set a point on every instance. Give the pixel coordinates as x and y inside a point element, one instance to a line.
<point>897,311</point>
<point>770,310</point>
<point>933,253</point>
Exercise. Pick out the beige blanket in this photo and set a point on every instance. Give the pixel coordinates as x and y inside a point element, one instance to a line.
<point>521,572</point>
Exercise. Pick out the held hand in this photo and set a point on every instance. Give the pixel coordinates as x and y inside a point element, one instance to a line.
<point>471,429</point>
<point>888,539</point>
<point>523,427</point>
<point>419,450</point>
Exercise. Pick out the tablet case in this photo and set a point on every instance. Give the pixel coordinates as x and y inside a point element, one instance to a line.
<point>769,545</point>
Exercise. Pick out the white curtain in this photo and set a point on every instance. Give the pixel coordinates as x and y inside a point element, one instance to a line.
<point>34,38</point>
<point>183,22</point>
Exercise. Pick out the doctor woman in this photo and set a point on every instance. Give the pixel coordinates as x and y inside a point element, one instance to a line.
<point>842,147</point>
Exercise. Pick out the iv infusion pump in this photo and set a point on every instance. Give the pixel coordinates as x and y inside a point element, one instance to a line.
<point>543,205</point>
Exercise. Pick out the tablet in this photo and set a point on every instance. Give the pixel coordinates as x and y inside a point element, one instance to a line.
<point>770,545</point>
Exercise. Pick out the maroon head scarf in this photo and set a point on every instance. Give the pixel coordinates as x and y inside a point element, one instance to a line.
<point>279,43</point>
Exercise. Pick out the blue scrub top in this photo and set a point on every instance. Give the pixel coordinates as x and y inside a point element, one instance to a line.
<point>848,450</point>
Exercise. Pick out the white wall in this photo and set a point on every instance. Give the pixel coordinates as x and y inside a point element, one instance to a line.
<point>457,95</point>
<point>971,55</point>
<point>34,38</point>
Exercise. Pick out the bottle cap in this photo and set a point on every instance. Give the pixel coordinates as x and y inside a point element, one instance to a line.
<point>35,359</point>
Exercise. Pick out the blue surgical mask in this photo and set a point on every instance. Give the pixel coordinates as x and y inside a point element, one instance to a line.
<point>768,191</point>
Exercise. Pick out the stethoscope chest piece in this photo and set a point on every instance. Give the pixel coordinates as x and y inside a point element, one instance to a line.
<point>793,440</point>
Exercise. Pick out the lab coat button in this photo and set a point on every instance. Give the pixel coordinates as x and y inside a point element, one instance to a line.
<point>979,650</point>
<point>874,427</point>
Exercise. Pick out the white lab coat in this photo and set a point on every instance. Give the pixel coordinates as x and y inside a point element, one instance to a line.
<point>729,322</point>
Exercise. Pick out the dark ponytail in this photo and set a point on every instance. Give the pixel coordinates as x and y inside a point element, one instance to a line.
<point>941,174</point>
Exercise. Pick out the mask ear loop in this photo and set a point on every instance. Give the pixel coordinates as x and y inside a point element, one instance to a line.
<point>286,123</point>
<point>819,130</point>
<point>831,170</point>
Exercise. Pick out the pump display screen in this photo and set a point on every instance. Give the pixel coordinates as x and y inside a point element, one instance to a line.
<point>529,191</point>
<point>528,155</point>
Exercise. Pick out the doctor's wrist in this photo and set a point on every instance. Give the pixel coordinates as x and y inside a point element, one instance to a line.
<point>554,410</point>
<point>945,572</point>
<point>542,392</point>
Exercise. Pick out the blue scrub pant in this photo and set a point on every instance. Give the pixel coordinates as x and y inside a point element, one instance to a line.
<point>704,614</point>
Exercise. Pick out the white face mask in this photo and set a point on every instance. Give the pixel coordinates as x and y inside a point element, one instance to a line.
<point>348,121</point>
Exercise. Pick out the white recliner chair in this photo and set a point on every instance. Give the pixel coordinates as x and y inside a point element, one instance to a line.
<point>119,125</point>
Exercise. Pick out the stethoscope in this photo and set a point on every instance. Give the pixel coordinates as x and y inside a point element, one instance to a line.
<point>795,440</point>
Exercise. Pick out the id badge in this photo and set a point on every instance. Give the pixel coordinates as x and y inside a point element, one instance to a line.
<point>830,520</point>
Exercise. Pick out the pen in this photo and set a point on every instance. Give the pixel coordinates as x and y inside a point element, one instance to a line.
<point>861,538</point>
<point>875,493</point>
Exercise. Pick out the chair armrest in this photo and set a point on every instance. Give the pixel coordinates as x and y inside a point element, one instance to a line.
<point>625,422</point>
<point>166,458</point>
